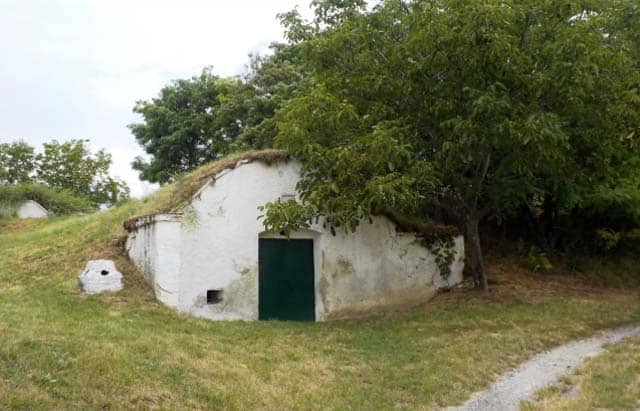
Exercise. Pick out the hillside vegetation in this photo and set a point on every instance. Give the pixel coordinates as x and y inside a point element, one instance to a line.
<point>60,349</point>
<point>56,201</point>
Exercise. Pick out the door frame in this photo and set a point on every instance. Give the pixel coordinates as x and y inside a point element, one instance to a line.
<point>304,234</point>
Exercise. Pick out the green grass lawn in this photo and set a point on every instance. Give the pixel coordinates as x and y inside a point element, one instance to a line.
<point>60,349</point>
<point>609,381</point>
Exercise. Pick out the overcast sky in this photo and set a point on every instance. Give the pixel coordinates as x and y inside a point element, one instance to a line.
<point>74,68</point>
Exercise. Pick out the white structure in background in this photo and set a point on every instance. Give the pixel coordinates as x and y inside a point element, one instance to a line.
<point>100,276</point>
<point>216,261</point>
<point>31,209</point>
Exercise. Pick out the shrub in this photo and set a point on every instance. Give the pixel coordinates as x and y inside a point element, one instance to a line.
<point>607,240</point>
<point>55,201</point>
<point>537,260</point>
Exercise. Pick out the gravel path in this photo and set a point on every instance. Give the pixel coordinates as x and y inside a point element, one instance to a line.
<point>542,370</point>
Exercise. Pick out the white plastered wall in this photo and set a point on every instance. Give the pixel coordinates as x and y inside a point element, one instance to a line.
<point>220,243</point>
<point>374,269</point>
<point>215,247</point>
<point>155,248</point>
<point>377,269</point>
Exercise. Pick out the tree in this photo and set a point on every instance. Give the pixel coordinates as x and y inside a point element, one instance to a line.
<point>197,120</point>
<point>68,167</point>
<point>71,166</point>
<point>180,130</point>
<point>271,81</point>
<point>17,163</point>
<point>474,108</point>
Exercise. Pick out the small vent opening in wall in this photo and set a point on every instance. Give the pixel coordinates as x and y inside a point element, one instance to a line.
<point>214,296</point>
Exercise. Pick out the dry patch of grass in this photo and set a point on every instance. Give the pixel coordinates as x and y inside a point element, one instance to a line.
<point>609,381</point>
<point>14,224</point>
<point>512,281</point>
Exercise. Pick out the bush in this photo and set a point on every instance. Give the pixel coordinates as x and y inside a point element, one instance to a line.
<point>55,201</point>
<point>607,240</point>
<point>537,260</point>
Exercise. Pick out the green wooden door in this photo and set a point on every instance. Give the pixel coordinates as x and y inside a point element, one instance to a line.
<point>285,281</point>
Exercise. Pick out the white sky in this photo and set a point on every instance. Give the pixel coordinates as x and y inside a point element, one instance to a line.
<point>74,68</point>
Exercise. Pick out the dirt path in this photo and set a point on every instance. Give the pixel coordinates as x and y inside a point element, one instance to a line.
<point>542,370</point>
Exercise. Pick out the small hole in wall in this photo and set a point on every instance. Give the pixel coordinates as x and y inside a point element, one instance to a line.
<point>214,296</point>
<point>104,272</point>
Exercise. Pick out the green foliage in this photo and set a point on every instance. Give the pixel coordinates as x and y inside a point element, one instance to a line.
<point>180,129</point>
<point>347,174</point>
<point>68,166</point>
<point>272,80</point>
<point>537,260</point>
<point>56,201</point>
<point>607,240</point>
<point>17,162</point>
<point>197,120</point>
<point>71,166</point>
<point>439,239</point>
<point>443,247</point>
<point>481,107</point>
<point>287,216</point>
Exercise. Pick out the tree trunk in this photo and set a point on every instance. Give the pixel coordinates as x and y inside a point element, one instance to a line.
<point>548,221</point>
<point>475,252</point>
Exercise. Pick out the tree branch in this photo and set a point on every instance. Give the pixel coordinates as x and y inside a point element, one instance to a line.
<point>481,176</point>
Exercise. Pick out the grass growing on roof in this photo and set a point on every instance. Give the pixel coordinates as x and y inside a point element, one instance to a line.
<point>60,349</point>
<point>179,193</point>
<point>186,186</point>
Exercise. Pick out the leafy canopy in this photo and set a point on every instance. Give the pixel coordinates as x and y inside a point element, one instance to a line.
<point>17,162</point>
<point>201,119</point>
<point>471,108</point>
<point>56,201</point>
<point>72,166</point>
<point>68,166</point>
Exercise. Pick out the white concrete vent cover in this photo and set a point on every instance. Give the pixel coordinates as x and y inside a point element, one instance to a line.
<point>100,276</point>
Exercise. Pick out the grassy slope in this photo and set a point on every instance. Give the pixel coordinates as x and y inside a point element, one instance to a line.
<point>56,201</point>
<point>59,349</point>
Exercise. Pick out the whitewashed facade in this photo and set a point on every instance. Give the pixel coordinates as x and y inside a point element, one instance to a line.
<point>212,249</point>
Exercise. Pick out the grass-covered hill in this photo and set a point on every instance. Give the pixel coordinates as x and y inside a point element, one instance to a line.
<point>60,349</point>
<point>59,202</point>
